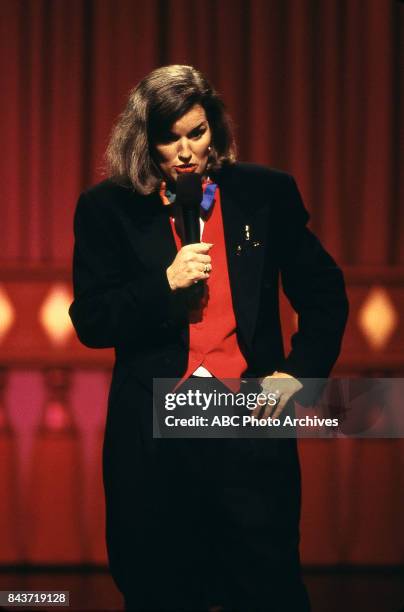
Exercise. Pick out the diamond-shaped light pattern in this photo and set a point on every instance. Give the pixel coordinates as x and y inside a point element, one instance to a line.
<point>377,317</point>
<point>7,314</point>
<point>54,316</point>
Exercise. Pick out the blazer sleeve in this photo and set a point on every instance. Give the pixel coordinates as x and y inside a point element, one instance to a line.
<point>109,310</point>
<point>314,285</point>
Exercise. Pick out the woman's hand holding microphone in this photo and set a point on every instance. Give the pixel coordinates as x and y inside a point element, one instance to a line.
<point>191,264</point>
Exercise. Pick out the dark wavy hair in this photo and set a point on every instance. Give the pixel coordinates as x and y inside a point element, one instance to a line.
<point>159,100</point>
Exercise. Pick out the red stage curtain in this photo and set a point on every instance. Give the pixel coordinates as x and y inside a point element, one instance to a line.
<point>314,88</point>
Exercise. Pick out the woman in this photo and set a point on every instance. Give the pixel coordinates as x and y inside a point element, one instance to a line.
<point>193,524</point>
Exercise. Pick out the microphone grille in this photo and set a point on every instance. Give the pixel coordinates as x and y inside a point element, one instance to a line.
<point>189,189</point>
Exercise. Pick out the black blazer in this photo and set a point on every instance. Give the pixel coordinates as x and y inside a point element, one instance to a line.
<point>122,299</point>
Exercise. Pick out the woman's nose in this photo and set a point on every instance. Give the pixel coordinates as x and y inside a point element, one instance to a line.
<point>184,152</point>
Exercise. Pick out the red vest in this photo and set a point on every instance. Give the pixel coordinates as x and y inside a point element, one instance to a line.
<point>212,329</point>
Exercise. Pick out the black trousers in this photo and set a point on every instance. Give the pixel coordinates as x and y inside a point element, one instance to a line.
<point>200,522</point>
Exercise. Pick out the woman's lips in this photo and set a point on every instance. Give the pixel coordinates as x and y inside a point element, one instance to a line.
<point>185,169</point>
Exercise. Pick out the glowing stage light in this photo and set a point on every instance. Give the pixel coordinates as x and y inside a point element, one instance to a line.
<point>54,315</point>
<point>377,318</point>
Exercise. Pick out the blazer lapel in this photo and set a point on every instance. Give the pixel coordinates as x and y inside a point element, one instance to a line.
<point>245,228</point>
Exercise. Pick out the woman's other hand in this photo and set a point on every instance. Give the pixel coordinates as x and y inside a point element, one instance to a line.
<point>281,386</point>
<point>191,264</point>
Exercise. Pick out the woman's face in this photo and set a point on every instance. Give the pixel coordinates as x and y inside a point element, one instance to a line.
<point>186,147</point>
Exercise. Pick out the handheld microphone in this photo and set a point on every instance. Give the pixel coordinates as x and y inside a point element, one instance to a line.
<point>188,199</point>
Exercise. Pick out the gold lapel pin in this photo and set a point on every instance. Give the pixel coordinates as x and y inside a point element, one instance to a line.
<point>247,241</point>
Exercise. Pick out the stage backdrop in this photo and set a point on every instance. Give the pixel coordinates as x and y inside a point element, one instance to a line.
<point>313,87</point>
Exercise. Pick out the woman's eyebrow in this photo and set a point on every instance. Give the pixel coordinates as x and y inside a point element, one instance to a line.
<point>202,124</point>
<point>197,127</point>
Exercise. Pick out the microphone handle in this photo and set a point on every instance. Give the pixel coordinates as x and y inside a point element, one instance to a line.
<point>192,228</point>
<point>192,235</point>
